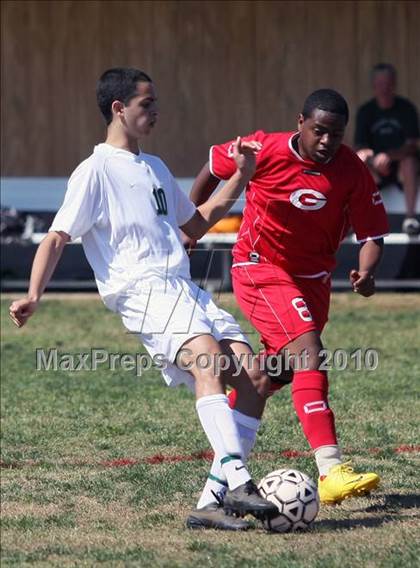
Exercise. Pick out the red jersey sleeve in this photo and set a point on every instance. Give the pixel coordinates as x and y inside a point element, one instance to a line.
<point>367,212</point>
<point>221,162</point>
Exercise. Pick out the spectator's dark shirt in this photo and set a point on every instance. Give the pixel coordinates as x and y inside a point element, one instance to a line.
<point>386,129</point>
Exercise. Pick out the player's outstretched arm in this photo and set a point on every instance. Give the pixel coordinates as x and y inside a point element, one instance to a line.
<point>363,279</point>
<point>216,208</point>
<point>45,261</point>
<point>204,185</point>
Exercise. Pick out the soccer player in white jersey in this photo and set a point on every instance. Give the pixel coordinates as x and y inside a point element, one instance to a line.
<point>127,208</point>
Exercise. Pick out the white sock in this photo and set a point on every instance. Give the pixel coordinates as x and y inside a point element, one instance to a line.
<point>216,482</point>
<point>326,457</point>
<point>214,485</point>
<point>219,425</point>
<point>247,427</point>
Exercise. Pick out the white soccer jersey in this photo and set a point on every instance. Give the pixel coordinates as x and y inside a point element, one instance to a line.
<point>127,209</point>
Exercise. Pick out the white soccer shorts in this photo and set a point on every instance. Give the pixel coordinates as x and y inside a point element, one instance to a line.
<point>166,312</point>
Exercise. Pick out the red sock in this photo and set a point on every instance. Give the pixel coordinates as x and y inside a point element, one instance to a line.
<point>310,398</point>
<point>232,398</point>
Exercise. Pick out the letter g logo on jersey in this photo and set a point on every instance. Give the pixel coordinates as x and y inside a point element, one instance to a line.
<point>308,199</point>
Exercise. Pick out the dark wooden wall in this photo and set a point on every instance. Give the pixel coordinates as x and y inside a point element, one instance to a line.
<point>220,67</point>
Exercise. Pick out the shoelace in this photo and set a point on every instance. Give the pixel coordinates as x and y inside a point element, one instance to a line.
<point>218,498</point>
<point>251,488</point>
<point>346,468</point>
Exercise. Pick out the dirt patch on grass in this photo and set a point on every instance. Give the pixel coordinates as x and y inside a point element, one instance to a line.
<point>371,526</point>
<point>90,512</point>
<point>14,509</point>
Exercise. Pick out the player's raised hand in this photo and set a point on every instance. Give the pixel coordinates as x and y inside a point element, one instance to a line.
<point>362,282</point>
<point>244,154</point>
<point>21,310</point>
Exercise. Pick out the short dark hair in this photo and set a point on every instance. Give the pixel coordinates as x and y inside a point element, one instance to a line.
<point>328,100</point>
<point>118,84</point>
<point>384,68</point>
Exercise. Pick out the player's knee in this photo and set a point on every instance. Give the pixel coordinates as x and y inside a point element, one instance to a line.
<point>261,382</point>
<point>311,358</point>
<point>206,372</point>
<point>410,159</point>
<point>408,165</point>
<point>255,385</point>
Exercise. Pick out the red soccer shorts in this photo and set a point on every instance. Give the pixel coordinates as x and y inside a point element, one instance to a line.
<point>281,307</point>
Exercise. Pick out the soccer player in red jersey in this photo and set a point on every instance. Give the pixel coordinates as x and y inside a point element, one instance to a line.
<point>307,191</point>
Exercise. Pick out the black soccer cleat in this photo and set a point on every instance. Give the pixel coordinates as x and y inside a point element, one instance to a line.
<point>245,500</point>
<point>213,516</point>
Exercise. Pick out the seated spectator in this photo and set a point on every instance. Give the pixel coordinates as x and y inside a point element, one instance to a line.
<point>387,137</point>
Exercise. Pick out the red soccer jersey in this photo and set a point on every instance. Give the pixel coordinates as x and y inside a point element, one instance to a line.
<point>298,211</point>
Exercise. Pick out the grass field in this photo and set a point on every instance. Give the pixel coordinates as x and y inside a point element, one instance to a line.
<point>102,467</point>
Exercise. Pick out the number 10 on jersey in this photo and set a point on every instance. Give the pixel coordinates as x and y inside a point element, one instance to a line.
<point>161,204</point>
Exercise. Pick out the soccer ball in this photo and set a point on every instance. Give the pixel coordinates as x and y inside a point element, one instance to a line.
<point>296,497</point>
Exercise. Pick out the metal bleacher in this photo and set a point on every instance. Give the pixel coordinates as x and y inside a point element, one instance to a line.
<point>39,198</point>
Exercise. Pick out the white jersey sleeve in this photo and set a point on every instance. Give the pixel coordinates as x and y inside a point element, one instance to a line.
<point>185,208</point>
<point>80,209</point>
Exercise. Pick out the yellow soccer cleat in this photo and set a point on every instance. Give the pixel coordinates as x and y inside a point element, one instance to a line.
<point>343,482</point>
